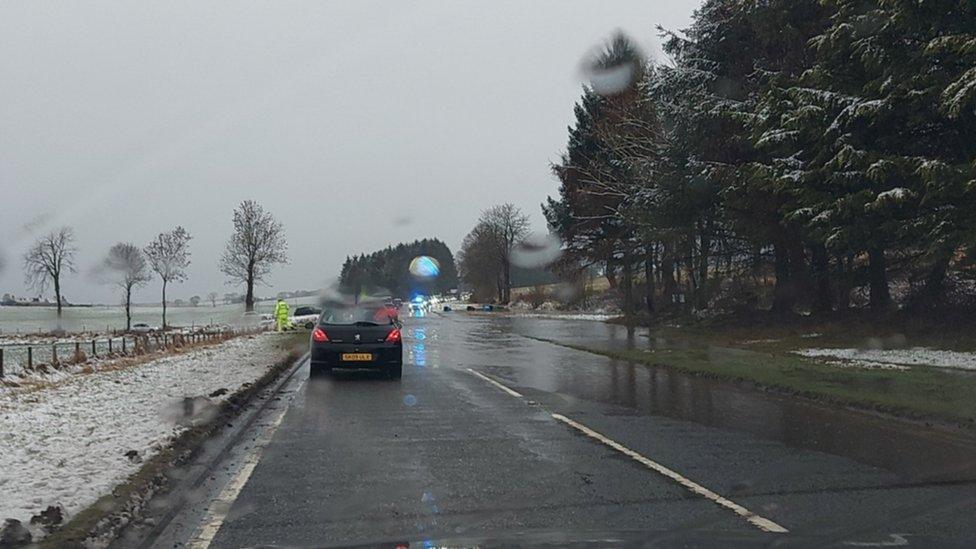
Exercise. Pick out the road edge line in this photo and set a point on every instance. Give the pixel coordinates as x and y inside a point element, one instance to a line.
<point>511,392</point>
<point>218,509</point>
<point>758,521</point>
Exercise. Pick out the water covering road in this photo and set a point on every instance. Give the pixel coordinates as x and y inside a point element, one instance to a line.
<point>493,434</point>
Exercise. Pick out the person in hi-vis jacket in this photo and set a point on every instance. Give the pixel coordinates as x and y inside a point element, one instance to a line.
<point>281,315</point>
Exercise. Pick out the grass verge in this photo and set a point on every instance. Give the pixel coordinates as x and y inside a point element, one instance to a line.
<point>101,522</point>
<point>918,393</point>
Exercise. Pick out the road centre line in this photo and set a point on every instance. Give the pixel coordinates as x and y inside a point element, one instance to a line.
<point>511,392</point>
<point>762,523</point>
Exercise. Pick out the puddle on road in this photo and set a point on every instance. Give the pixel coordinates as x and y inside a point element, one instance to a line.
<point>912,450</point>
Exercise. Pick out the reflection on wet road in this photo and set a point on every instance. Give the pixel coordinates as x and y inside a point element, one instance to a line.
<point>445,453</point>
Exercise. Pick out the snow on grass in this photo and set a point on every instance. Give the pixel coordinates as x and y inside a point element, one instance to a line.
<point>567,316</point>
<point>915,356</point>
<point>66,445</point>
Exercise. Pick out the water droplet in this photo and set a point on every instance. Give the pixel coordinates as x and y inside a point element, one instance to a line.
<point>612,68</point>
<point>536,250</point>
<point>409,400</point>
<point>611,80</point>
<point>424,266</point>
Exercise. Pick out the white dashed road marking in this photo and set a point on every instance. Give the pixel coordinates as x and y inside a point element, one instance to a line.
<point>511,392</point>
<point>762,523</point>
<point>754,519</point>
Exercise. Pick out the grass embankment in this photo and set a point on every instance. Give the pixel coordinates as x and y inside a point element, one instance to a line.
<point>762,355</point>
<point>101,522</point>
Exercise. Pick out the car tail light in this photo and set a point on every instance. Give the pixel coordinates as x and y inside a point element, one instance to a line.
<point>393,336</point>
<point>319,335</point>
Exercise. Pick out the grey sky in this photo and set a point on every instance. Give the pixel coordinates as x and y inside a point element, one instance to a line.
<point>344,119</point>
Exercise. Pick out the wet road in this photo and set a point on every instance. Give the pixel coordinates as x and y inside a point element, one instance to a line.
<point>492,434</point>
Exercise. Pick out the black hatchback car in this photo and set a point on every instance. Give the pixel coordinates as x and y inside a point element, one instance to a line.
<point>360,336</point>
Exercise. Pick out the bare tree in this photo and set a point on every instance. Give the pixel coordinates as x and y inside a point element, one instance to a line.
<point>509,226</point>
<point>478,263</point>
<point>50,257</point>
<point>212,298</point>
<point>126,267</point>
<point>258,243</point>
<point>169,256</point>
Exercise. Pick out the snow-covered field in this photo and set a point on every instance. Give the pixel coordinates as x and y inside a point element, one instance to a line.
<point>897,358</point>
<point>66,444</point>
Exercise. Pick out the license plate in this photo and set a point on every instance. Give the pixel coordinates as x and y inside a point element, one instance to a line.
<point>357,357</point>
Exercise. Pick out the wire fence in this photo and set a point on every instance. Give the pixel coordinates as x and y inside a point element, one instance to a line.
<point>43,356</point>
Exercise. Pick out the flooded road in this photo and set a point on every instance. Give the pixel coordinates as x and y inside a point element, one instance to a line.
<point>493,434</point>
<point>916,451</point>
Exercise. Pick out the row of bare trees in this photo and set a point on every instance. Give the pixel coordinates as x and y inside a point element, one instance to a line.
<point>256,245</point>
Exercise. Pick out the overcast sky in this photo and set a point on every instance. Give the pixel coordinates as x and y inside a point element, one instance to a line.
<point>358,124</point>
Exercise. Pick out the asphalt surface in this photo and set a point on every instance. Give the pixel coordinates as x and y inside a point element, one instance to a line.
<point>447,454</point>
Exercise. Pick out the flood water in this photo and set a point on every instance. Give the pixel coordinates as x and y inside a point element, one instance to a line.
<point>916,451</point>
<point>31,320</point>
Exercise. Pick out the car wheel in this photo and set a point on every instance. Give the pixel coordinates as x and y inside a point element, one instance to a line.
<point>309,325</point>
<point>396,372</point>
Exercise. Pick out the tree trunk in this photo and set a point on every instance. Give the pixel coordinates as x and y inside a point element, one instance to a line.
<point>845,269</point>
<point>820,267</point>
<point>57,297</point>
<point>705,248</point>
<point>667,272</point>
<point>878,280</point>
<point>128,313</point>
<point>611,273</point>
<point>649,280</point>
<point>933,293</point>
<point>249,295</point>
<point>506,281</point>
<point>784,296</point>
<point>627,286</point>
<point>164,303</point>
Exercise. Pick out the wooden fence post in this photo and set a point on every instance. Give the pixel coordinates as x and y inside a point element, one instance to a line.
<point>30,357</point>
<point>94,352</point>
<point>110,344</point>
<point>54,354</point>
<point>77,350</point>
<point>1,362</point>
<point>123,345</point>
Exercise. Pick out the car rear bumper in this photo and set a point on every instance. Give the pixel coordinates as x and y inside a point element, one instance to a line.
<point>330,355</point>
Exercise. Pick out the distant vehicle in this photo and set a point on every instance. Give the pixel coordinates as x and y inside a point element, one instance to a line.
<point>360,336</point>
<point>305,317</point>
<point>143,328</point>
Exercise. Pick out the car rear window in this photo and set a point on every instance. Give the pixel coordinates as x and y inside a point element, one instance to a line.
<point>373,314</point>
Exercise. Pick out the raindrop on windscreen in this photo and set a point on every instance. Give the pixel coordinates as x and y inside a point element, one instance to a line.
<point>536,250</point>
<point>612,68</point>
<point>610,80</point>
<point>409,400</point>
<point>424,266</point>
